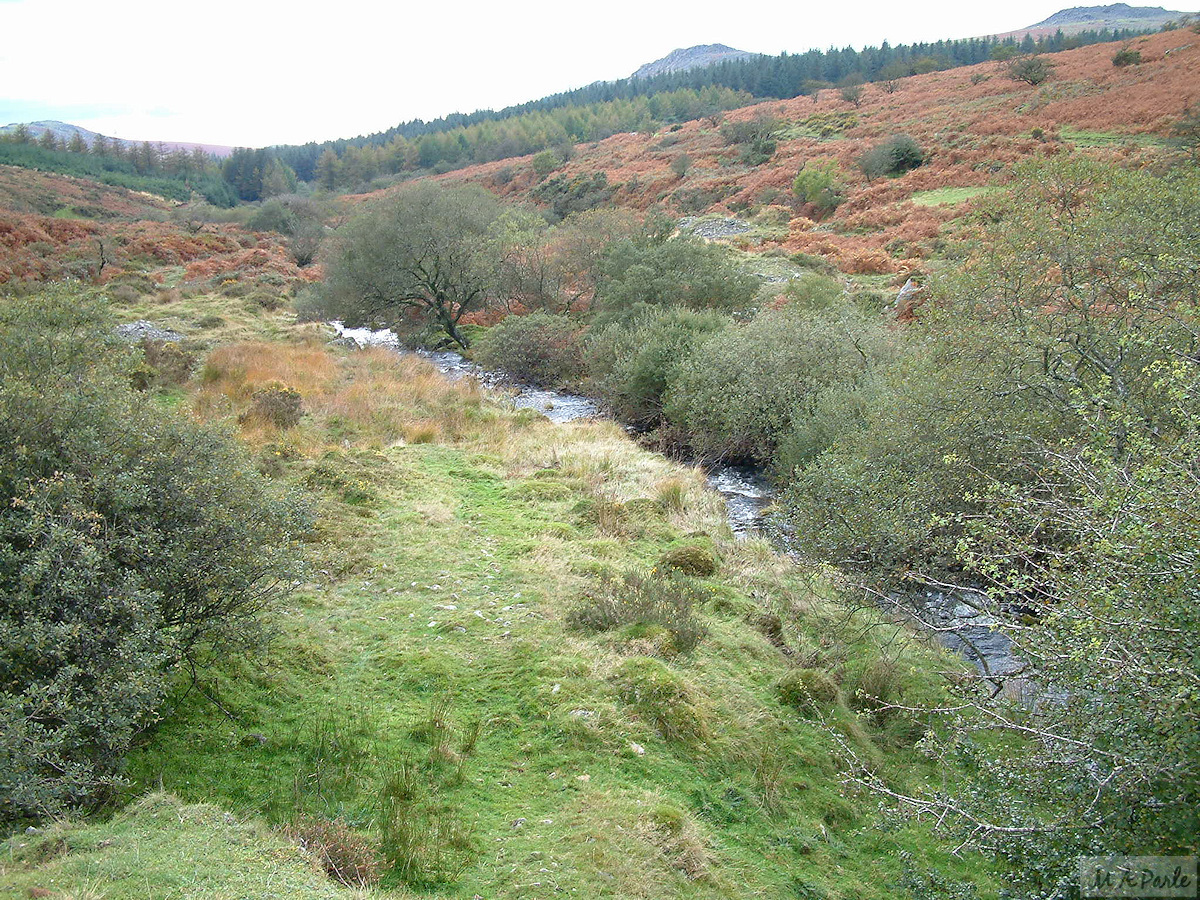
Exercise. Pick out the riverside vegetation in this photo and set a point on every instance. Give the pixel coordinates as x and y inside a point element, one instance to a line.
<point>445,648</point>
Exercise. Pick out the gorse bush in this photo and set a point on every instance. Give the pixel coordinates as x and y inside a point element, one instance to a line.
<point>540,348</point>
<point>130,539</point>
<point>895,156</point>
<point>632,363</point>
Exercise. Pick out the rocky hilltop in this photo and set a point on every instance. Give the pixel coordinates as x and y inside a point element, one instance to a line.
<point>690,58</point>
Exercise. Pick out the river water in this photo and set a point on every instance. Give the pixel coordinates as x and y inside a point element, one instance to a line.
<point>957,618</point>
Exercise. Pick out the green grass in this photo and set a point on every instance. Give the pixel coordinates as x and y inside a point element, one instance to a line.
<point>162,848</point>
<point>950,195</point>
<point>428,658</point>
<point>1110,139</point>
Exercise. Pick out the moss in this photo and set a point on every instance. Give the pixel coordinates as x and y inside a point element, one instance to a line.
<point>807,690</point>
<point>694,560</point>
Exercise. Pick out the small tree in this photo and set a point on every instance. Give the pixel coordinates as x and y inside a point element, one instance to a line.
<point>819,184</point>
<point>681,164</point>
<point>1030,69</point>
<point>425,249</point>
<point>852,89</point>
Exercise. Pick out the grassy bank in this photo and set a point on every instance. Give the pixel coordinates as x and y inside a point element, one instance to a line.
<point>489,680</point>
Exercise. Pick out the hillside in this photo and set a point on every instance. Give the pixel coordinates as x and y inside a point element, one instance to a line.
<point>1114,16</point>
<point>890,226</point>
<point>526,659</point>
<point>690,58</point>
<point>64,131</point>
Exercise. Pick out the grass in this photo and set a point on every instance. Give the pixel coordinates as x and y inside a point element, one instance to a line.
<point>425,690</point>
<point>162,847</point>
<point>1110,139</point>
<point>950,195</point>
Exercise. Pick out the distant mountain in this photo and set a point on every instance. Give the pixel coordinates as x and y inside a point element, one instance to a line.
<point>690,58</point>
<point>1093,18</point>
<point>64,131</point>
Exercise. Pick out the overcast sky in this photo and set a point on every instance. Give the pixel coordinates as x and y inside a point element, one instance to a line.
<point>252,73</point>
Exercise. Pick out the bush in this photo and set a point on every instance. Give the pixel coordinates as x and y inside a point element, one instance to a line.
<point>130,539</point>
<point>1030,69</point>
<point>1127,56</point>
<point>631,364</point>
<point>749,387</point>
<point>539,348</point>
<point>895,156</point>
<point>657,271</point>
<point>818,184</point>
<point>278,405</point>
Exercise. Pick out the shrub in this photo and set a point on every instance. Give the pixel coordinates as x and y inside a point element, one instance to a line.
<point>540,348</point>
<point>631,364</point>
<point>748,387</point>
<point>1127,56</point>
<point>818,184</point>
<point>168,362</point>
<point>681,164</point>
<point>895,156</point>
<point>1030,69</point>
<point>654,270</point>
<point>545,162</point>
<point>640,599</point>
<point>278,405</point>
<point>690,560</point>
<point>130,540</point>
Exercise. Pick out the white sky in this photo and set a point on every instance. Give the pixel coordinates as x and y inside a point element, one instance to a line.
<point>253,73</point>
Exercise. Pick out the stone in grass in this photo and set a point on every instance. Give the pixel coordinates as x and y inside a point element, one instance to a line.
<point>690,560</point>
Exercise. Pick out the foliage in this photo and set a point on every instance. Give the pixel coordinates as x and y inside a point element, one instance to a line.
<point>566,195</point>
<point>631,364</point>
<point>1127,56</point>
<point>818,183</point>
<point>1185,132</point>
<point>129,540</point>
<point>424,248</point>
<point>1038,439</point>
<point>757,137</point>
<point>653,270</point>
<point>278,405</point>
<point>545,162</point>
<point>121,171</point>
<point>538,348</point>
<point>1030,69</point>
<point>751,387</point>
<point>807,690</point>
<point>298,218</point>
<point>895,156</point>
